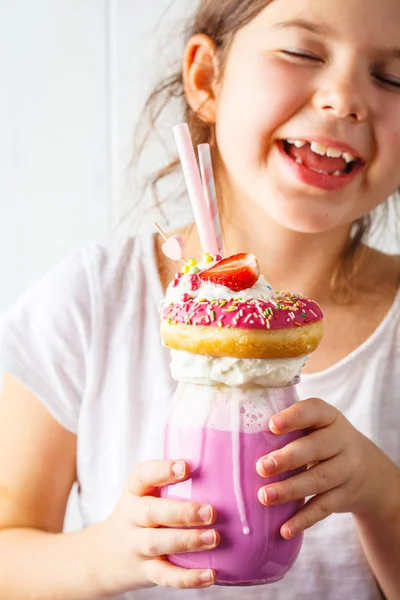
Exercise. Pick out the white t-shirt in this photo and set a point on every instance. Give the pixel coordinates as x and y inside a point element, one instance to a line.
<point>85,339</point>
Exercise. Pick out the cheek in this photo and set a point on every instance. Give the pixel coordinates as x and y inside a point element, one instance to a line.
<point>255,102</point>
<point>391,153</point>
<point>384,173</point>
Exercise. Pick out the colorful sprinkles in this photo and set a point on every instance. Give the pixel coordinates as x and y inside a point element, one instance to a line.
<point>288,310</point>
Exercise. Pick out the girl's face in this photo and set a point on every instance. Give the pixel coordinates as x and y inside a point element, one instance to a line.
<point>326,76</point>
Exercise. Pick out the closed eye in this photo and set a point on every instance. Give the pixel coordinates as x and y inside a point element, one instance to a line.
<point>387,81</point>
<point>297,54</point>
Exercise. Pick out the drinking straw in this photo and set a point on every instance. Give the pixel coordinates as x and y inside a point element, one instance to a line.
<point>210,193</point>
<point>191,172</point>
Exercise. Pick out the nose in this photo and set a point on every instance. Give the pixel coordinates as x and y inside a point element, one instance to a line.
<point>342,95</point>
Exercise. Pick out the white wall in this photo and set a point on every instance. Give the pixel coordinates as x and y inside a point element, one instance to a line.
<point>74,75</point>
<point>54,171</point>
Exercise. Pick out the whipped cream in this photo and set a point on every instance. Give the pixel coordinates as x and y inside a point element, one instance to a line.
<point>262,290</point>
<point>235,372</point>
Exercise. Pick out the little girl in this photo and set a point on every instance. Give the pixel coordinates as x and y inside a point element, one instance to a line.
<point>301,104</point>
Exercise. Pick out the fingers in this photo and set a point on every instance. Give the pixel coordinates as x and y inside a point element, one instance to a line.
<point>308,450</point>
<point>153,543</point>
<point>155,512</point>
<point>163,573</point>
<point>315,510</point>
<point>158,525</point>
<point>312,413</point>
<point>154,474</point>
<point>317,480</point>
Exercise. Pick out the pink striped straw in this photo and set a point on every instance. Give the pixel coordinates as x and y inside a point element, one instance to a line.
<point>210,193</point>
<point>205,226</point>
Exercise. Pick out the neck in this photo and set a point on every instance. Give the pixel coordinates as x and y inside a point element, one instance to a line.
<point>290,260</point>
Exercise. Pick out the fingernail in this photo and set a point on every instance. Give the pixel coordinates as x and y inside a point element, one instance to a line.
<point>289,531</point>
<point>206,513</point>
<point>206,577</point>
<point>278,423</point>
<point>268,465</point>
<point>270,494</point>
<point>179,469</point>
<point>208,537</point>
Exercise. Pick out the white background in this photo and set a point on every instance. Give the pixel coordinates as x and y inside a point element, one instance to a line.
<point>74,74</point>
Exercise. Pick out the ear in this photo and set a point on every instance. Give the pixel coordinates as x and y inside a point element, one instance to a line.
<point>200,75</point>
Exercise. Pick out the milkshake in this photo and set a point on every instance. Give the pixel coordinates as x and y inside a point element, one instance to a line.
<point>237,353</point>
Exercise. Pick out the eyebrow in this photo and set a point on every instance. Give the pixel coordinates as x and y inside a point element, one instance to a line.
<point>303,24</point>
<point>324,30</point>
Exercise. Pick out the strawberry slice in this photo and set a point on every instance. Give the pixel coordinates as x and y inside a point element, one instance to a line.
<point>237,272</point>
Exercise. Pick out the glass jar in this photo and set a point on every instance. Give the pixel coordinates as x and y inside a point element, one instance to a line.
<point>221,432</point>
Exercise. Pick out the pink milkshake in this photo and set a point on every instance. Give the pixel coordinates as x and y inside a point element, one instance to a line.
<point>237,350</point>
<point>222,456</point>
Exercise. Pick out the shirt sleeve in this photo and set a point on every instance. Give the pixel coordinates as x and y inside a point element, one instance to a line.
<point>45,337</point>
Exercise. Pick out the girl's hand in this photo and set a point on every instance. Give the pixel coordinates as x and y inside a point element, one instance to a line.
<point>135,540</point>
<point>346,472</point>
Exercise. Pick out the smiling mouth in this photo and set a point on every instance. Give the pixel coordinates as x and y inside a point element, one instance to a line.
<point>321,159</point>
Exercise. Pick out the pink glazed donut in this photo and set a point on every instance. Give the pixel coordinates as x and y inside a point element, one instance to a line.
<point>281,325</point>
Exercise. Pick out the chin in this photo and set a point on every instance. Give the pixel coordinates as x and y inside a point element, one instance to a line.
<point>306,223</point>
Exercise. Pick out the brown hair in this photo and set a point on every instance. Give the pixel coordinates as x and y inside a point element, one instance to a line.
<point>220,20</point>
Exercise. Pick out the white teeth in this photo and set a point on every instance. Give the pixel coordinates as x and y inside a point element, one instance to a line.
<point>297,143</point>
<point>348,157</point>
<point>333,152</point>
<point>299,161</point>
<point>318,148</point>
<point>323,151</point>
